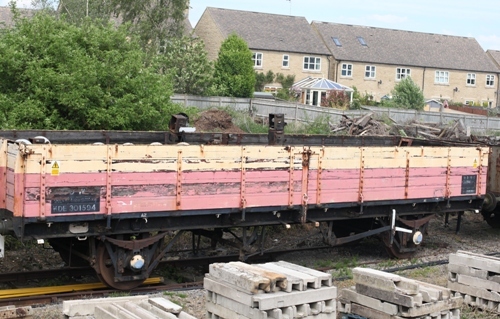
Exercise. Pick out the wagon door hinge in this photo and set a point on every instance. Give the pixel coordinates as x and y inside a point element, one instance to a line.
<point>407,175</point>
<point>243,201</point>
<point>109,162</point>
<point>480,172</point>
<point>361,180</point>
<point>319,177</point>
<point>178,184</point>
<point>43,181</point>
<point>306,159</point>
<point>448,174</point>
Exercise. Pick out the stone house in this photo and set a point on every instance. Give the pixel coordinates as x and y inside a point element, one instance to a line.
<point>6,17</point>
<point>280,43</point>
<point>445,67</point>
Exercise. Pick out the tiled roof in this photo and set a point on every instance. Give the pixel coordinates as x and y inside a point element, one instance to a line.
<point>495,55</point>
<point>266,31</point>
<point>405,48</point>
<point>6,15</point>
<point>320,83</point>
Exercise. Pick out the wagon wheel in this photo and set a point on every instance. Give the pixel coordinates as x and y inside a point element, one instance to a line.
<point>106,271</point>
<point>403,245</point>
<point>492,218</point>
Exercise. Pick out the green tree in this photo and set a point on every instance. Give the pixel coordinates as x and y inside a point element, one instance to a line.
<point>262,79</point>
<point>77,11</point>
<point>406,94</point>
<point>285,92</point>
<point>234,75</point>
<point>54,75</point>
<point>186,60</point>
<point>154,21</point>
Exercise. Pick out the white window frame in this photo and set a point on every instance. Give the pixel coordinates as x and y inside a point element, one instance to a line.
<point>258,59</point>
<point>402,73</point>
<point>442,77</point>
<point>285,63</point>
<point>490,80</point>
<point>471,79</point>
<point>370,72</point>
<point>346,70</point>
<point>312,63</point>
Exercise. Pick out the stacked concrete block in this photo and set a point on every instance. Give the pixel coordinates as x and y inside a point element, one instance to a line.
<point>476,278</point>
<point>381,295</point>
<point>8,312</point>
<point>134,307</point>
<point>277,290</point>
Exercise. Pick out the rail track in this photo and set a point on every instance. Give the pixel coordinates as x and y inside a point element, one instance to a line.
<point>55,294</point>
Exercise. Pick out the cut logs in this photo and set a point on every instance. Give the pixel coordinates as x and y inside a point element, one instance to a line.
<point>368,125</point>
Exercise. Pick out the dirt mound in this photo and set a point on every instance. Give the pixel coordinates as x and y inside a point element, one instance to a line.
<point>214,120</point>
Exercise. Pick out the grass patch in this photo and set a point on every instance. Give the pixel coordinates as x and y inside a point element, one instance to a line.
<point>343,268</point>
<point>389,263</point>
<point>175,294</point>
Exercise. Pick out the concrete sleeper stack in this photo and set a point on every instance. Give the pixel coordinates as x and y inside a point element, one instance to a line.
<point>381,295</point>
<point>277,290</point>
<point>476,278</point>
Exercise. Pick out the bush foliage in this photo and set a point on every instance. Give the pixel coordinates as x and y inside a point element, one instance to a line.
<point>55,75</point>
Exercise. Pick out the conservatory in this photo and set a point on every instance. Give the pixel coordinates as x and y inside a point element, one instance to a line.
<point>313,90</point>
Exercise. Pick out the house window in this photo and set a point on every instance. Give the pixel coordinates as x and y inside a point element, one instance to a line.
<point>471,78</point>
<point>442,77</point>
<point>286,60</point>
<point>370,71</point>
<point>312,63</point>
<point>347,70</point>
<point>469,102</point>
<point>257,59</point>
<point>402,73</point>
<point>490,80</point>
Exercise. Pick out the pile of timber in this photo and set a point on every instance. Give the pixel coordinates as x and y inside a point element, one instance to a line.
<point>368,125</point>
<point>272,290</point>
<point>476,278</point>
<point>453,131</point>
<point>381,295</point>
<point>364,125</point>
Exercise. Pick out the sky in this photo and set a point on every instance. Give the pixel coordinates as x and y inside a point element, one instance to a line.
<point>479,19</point>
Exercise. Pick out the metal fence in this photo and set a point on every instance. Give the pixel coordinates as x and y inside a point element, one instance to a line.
<point>299,112</point>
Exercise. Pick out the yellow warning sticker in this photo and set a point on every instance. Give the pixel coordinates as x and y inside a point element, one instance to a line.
<point>475,163</point>
<point>55,168</point>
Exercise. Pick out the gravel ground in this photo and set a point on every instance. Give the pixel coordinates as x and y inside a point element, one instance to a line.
<point>475,236</point>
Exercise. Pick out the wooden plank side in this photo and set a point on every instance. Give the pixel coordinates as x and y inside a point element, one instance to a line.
<point>175,177</point>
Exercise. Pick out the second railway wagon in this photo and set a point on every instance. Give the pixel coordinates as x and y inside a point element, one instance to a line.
<point>112,204</point>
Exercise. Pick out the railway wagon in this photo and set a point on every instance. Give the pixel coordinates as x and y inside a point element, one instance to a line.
<point>120,200</point>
